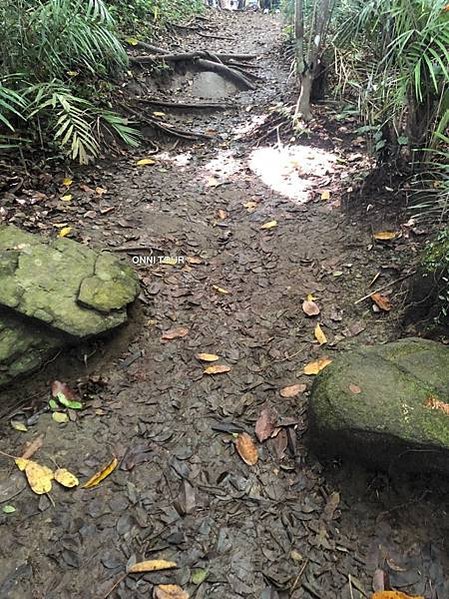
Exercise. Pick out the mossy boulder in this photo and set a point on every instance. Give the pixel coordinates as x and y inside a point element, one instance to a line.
<point>386,405</point>
<point>64,284</point>
<point>54,292</point>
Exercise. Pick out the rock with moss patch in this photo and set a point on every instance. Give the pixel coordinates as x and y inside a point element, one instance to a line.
<point>64,284</point>
<point>387,406</point>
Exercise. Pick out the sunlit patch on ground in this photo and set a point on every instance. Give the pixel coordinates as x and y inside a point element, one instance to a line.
<point>221,168</point>
<point>291,170</point>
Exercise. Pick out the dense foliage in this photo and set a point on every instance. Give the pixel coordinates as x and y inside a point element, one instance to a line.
<point>58,63</point>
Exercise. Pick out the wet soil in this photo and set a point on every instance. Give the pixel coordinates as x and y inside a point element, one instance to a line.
<point>288,526</point>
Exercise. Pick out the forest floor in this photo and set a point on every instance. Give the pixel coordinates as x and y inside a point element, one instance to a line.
<point>288,526</point>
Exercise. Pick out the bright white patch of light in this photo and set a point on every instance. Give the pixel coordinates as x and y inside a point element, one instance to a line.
<point>291,170</point>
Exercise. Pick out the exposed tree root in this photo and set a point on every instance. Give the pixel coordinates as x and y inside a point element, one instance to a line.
<point>186,105</point>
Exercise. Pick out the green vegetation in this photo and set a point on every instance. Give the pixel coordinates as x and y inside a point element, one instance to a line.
<point>59,62</point>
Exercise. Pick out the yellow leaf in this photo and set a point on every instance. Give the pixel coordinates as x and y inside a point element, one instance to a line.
<point>220,290</point>
<point>72,73</point>
<point>39,477</point>
<point>207,357</point>
<point>132,41</point>
<point>325,195</point>
<point>250,205</point>
<point>66,478</point>
<point>60,417</point>
<point>319,335</point>
<point>217,369</point>
<point>19,426</point>
<point>270,225</point>
<point>170,591</point>
<point>152,565</point>
<point>21,463</point>
<point>145,162</point>
<point>65,231</point>
<point>67,197</point>
<point>169,261</point>
<point>316,366</point>
<point>385,235</point>
<point>159,113</point>
<point>101,474</point>
<point>67,182</point>
<point>310,297</point>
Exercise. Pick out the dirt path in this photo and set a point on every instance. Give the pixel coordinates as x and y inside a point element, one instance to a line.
<point>285,527</point>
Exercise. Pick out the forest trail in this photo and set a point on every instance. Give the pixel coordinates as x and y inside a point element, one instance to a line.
<point>252,234</point>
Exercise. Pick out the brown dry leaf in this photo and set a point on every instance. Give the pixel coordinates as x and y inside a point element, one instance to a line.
<point>270,225</point>
<point>217,369</point>
<point>170,591</point>
<point>66,478</point>
<point>176,333</point>
<point>246,449</point>
<point>317,366</point>
<point>152,565</point>
<point>434,403</point>
<point>207,357</point>
<point>250,206</point>
<point>310,308</point>
<point>39,477</point>
<point>319,335</point>
<point>194,260</point>
<point>222,214</point>
<point>101,474</point>
<point>293,390</point>
<point>265,425</point>
<point>385,235</point>
<point>394,595</point>
<point>354,389</point>
<point>220,290</point>
<point>381,301</point>
<point>31,448</point>
<point>100,191</point>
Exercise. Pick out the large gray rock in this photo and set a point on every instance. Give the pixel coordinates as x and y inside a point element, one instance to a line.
<point>54,292</point>
<point>63,283</point>
<point>387,406</point>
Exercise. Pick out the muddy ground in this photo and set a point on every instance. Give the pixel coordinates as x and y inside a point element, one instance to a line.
<point>289,526</point>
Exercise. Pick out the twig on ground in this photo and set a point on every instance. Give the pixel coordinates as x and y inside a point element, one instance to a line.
<point>386,286</point>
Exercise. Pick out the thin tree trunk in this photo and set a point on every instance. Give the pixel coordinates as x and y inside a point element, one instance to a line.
<point>303,105</point>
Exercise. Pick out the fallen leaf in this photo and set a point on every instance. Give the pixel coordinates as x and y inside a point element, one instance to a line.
<point>434,403</point>
<point>310,308</point>
<point>246,449</point>
<point>170,591</point>
<point>39,477</point>
<point>222,214</point>
<point>332,503</point>
<point>317,366</point>
<point>19,426</point>
<point>66,478</point>
<point>176,333</point>
<point>132,41</point>
<point>265,425</point>
<point>385,235</point>
<point>212,182</point>
<point>152,565</point>
<point>100,191</point>
<point>60,417</point>
<point>354,389</point>
<point>221,290</point>
<point>325,195</point>
<point>65,231</point>
<point>199,575</point>
<point>31,448</point>
<point>21,463</point>
<point>394,595</point>
<point>67,182</point>
<point>293,390</point>
<point>158,113</point>
<point>67,198</point>
<point>207,357</point>
<point>8,509</point>
<point>319,335</point>
<point>145,162</point>
<point>270,225</point>
<point>217,369</point>
<point>381,301</point>
<point>250,206</point>
<point>194,260</point>
<point>101,474</point>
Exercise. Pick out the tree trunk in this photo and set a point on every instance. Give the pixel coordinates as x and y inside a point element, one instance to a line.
<point>303,105</point>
